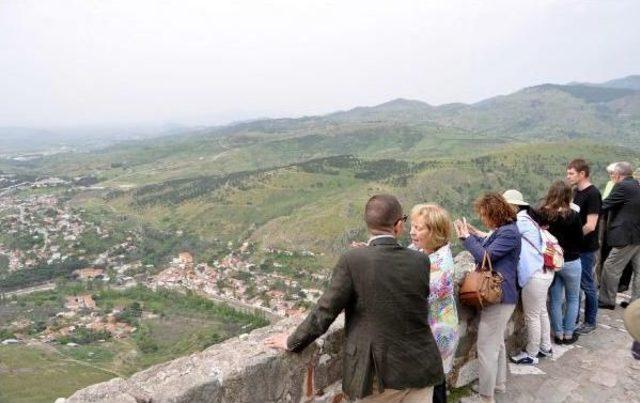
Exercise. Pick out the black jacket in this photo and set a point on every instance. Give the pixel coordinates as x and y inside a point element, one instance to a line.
<point>384,290</point>
<point>623,204</point>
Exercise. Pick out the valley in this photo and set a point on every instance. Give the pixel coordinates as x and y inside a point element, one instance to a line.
<point>120,257</point>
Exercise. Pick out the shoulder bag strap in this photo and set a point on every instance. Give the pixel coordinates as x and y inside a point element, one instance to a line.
<point>486,261</point>
<point>532,245</point>
<point>539,231</point>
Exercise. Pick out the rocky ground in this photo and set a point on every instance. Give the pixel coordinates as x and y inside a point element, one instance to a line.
<point>597,368</point>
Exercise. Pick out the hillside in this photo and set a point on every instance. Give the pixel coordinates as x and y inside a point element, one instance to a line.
<point>317,204</point>
<point>300,183</point>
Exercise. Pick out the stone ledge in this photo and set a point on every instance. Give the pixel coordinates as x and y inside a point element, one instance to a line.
<point>242,369</point>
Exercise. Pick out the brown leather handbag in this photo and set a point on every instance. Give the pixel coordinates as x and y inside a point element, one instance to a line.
<point>482,286</point>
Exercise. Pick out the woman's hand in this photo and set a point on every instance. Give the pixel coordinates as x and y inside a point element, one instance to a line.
<point>475,231</point>
<point>357,245</point>
<point>462,229</point>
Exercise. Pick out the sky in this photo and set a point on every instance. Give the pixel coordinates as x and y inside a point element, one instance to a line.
<point>107,62</point>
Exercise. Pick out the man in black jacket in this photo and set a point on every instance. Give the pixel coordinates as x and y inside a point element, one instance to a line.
<point>623,234</point>
<point>390,353</point>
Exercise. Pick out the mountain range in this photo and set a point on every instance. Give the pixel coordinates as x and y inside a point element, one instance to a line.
<point>301,182</point>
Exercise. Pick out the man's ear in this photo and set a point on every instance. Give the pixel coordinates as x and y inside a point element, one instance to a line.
<point>398,229</point>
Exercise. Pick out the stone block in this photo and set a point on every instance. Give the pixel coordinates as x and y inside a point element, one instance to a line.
<point>466,374</point>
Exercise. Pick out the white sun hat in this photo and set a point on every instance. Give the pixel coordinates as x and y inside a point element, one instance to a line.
<point>513,196</point>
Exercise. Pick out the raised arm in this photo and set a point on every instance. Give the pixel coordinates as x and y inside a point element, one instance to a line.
<point>503,243</point>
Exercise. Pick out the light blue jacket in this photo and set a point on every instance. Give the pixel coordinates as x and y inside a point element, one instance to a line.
<point>531,260</point>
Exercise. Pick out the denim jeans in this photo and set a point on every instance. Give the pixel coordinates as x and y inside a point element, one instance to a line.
<point>588,285</point>
<point>565,286</point>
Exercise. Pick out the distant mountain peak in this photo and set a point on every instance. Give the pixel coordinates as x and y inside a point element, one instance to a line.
<point>631,82</point>
<point>591,93</point>
<point>403,103</point>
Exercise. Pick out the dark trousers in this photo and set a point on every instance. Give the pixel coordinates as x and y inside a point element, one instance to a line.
<point>588,285</point>
<point>440,393</point>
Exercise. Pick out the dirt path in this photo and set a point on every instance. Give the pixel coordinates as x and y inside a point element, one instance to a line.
<point>49,348</point>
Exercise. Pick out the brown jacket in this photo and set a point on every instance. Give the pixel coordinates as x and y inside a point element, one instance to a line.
<point>384,290</point>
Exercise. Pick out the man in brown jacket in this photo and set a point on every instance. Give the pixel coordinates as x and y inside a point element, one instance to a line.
<point>390,353</point>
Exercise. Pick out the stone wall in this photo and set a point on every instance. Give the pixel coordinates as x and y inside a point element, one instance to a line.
<point>241,369</point>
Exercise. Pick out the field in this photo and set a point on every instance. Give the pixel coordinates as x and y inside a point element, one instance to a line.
<point>40,374</point>
<point>170,325</point>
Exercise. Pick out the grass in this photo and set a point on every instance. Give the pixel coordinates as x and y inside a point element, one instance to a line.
<point>455,394</point>
<point>34,374</point>
<point>177,336</point>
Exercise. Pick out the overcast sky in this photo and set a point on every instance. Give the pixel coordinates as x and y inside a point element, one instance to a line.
<point>80,62</point>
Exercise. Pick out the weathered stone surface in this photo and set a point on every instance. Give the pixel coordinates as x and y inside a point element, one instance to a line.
<point>605,379</point>
<point>237,370</point>
<point>466,374</point>
<point>597,368</point>
<point>114,391</point>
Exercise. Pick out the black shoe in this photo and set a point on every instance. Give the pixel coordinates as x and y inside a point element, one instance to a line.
<point>573,339</point>
<point>602,305</point>
<point>545,354</point>
<point>558,340</point>
<point>624,304</point>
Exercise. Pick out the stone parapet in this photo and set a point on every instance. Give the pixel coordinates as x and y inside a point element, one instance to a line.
<point>241,369</point>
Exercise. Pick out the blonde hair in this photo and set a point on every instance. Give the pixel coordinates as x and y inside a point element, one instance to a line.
<point>436,220</point>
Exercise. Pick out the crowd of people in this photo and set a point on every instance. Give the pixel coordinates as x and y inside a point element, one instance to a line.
<point>401,321</point>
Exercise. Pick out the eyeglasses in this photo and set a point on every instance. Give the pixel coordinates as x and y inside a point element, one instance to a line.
<point>404,218</point>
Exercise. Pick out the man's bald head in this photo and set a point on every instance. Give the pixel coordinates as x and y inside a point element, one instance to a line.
<point>382,213</point>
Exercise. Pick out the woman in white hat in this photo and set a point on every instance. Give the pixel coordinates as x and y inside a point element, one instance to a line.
<point>534,281</point>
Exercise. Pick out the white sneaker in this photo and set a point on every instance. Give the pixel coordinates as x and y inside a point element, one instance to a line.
<point>524,358</point>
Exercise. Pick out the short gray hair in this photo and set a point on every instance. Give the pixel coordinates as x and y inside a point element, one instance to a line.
<point>611,167</point>
<point>623,168</point>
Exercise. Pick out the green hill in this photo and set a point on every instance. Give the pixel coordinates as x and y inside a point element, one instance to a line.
<point>301,183</point>
<point>317,204</point>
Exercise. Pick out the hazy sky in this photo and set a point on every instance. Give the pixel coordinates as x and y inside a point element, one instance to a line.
<point>79,62</point>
